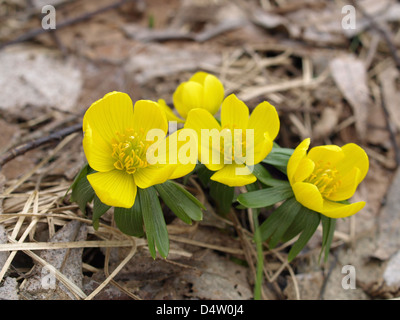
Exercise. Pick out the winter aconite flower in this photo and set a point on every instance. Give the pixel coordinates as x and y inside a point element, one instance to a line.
<point>117,143</point>
<point>326,175</point>
<point>239,142</point>
<point>203,90</point>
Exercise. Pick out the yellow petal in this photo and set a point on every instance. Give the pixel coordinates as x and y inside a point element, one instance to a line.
<point>234,113</point>
<point>168,112</point>
<point>199,119</point>
<point>299,153</point>
<point>97,151</point>
<point>259,150</point>
<point>347,187</point>
<point>152,175</point>
<point>114,188</point>
<point>308,195</point>
<point>234,175</point>
<point>147,115</point>
<point>339,210</point>
<point>264,118</point>
<point>113,113</point>
<point>182,149</point>
<point>328,153</point>
<point>305,168</point>
<point>213,93</point>
<point>187,96</point>
<point>354,156</point>
<point>182,170</point>
<point>202,122</point>
<point>199,77</point>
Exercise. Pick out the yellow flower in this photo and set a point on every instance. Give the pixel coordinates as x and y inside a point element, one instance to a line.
<point>327,174</point>
<point>116,147</point>
<point>203,90</point>
<point>239,142</point>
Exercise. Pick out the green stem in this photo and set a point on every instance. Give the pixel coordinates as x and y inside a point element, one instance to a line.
<point>260,257</point>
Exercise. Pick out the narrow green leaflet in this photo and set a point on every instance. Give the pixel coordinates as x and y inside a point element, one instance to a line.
<point>279,221</point>
<point>265,177</point>
<point>82,173</point>
<point>99,208</point>
<point>279,157</point>
<point>180,201</point>
<point>265,197</point>
<point>328,229</point>
<point>82,193</point>
<point>156,228</point>
<point>130,221</point>
<point>298,225</point>
<point>312,222</point>
<point>286,219</point>
<point>222,195</point>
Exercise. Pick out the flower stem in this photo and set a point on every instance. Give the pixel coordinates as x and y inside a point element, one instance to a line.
<point>260,257</point>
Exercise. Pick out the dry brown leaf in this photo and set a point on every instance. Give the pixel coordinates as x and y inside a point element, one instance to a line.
<point>160,61</point>
<point>388,240</point>
<point>221,279</point>
<point>351,78</point>
<point>309,285</point>
<point>3,239</point>
<point>68,261</point>
<point>23,82</point>
<point>381,11</point>
<point>391,93</point>
<point>326,124</point>
<point>9,289</point>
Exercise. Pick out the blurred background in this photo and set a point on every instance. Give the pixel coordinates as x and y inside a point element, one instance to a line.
<point>331,68</point>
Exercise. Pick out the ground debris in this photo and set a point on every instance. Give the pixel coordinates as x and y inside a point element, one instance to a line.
<point>42,285</point>
<point>327,82</point>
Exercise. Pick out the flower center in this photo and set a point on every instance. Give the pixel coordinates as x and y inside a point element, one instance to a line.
<point>325,177</point>
<point>129,151</point>
<point>233,144</point>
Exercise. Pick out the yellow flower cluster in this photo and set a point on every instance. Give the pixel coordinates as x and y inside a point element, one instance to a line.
<point>129,147</point>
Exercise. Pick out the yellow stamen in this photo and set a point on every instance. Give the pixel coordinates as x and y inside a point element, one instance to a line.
<point>325,177</point>
<point>130,151</point>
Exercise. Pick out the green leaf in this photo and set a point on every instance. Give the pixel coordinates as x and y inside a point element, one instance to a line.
<point>82,173</point>
<point>156,228</point>
<point>328,229</point>
<point>285,220</point>
<point>82,193</point>
<point>265,197</point>
<point>265,177</point>
<point>99,208</point>
<point>180,201</point>
<point>312,223</point>
<point>279,221</point>
<point>252,187</point>
<point>297,226</point>
<point>130,221</point>
<point>222,195</point>
<point>278,156</point>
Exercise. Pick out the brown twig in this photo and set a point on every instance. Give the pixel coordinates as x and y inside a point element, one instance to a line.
<point>36,32</point>
<point>175,34</point>
<point>56,136</point>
